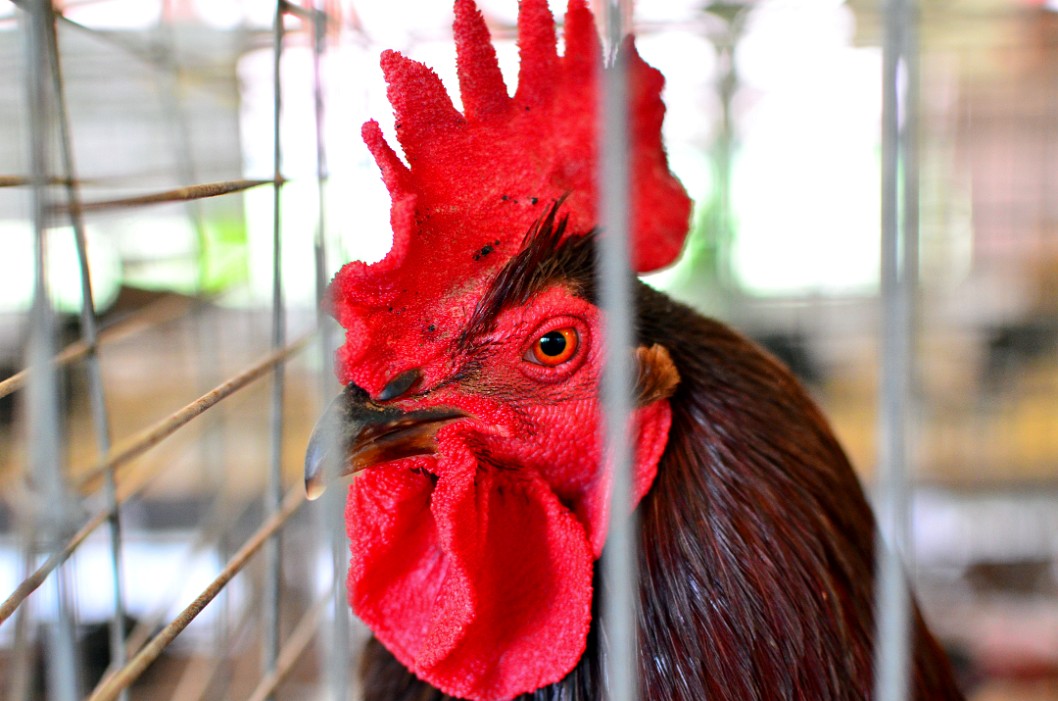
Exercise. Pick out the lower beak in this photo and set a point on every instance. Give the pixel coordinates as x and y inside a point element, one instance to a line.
<point>355,433</point>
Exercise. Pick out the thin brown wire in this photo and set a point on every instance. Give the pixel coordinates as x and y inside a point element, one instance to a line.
<point>199,677</point>
<point>293,648</point>
<point>155,314</point>
<point>132,447</point>
<point>110,688</point>
<point>140,442</point>
<point>218,519</point>
<point>180,194</point>
<point>23,181</point>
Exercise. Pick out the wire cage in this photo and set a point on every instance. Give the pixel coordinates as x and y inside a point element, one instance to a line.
<point>875,204</point>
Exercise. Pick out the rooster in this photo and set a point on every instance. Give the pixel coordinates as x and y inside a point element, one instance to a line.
<point>471,369</point>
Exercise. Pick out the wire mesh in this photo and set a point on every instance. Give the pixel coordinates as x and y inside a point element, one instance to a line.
<point>126,423</point>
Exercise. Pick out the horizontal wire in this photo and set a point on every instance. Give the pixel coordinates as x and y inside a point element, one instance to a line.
<point>140,442</point>
<point>154,314</point>
<point>126,491</point>
<point>292,649</point>
<point>130,448</point>
<point>305,13</point>
<point>145,52</point>
<point>110,690</point>
<point>23,181</point>
<point>219,519</point>
<point>180,194</point>
<point>199,675</point>
<point>31,583</point>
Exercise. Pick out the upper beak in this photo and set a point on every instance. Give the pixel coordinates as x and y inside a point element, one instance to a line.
<point>355,432</point>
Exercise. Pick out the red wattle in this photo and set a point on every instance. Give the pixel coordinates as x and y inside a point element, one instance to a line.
<point>480,584</point>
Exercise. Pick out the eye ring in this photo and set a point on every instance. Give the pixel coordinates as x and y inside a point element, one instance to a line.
<point>554,347</point>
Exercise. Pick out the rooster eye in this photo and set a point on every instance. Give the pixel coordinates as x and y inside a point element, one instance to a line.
<point>554,347</point>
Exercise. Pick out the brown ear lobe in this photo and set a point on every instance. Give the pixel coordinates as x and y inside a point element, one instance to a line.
<point>657,376</point>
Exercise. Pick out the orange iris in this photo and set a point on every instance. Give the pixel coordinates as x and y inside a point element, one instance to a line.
<point>555,347</point>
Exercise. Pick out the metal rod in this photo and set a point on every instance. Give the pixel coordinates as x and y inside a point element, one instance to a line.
<point>899,267</point>
<point>201,672</point>
<point>90,336</point>
<point>292,650</point>
<point>132,447</point>
<point>128,489</point>
<point>180,194</point>
<point>221,518</point>
<point>196,680</point>
<point>619,560</point>
<point>23,659</point>
<point>155,314</point>
<point>171,82</point>
<point>44,434</point>
<point>135,445</point>
<point>331,515</point>
<point>127,675</point>
<point>270,605</point>
<point>125,491</point>
<point>22,181</point>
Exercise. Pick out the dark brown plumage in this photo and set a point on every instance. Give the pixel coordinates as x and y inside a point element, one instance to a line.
<point>756,541</point>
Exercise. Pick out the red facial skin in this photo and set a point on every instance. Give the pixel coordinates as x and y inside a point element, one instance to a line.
<point>474,565</point>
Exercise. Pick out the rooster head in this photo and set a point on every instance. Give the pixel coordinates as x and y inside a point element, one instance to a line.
<point>473,355</point>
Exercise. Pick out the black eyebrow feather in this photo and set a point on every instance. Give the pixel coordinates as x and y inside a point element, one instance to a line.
<point>546,257</point>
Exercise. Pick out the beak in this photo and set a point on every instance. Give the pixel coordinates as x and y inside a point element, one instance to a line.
<point>355,433</point>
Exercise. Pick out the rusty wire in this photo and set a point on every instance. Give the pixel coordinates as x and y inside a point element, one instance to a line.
<point>180,194</point>
<point>164,310</point>
<point>111,687</point>
<point>293,648</point>
<point>147,438</point>
<point>118,455</point>
<point>133,446</point>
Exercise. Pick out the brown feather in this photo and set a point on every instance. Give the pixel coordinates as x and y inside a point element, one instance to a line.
<point>756,558</point>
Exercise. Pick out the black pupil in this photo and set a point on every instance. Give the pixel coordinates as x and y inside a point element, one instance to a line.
<point>552,344</point>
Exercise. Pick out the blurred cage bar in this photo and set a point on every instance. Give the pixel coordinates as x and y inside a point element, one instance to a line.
<point>193,169</point>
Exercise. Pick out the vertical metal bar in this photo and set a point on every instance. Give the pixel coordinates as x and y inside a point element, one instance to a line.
<point>23,659</point>
<point>207,338</point>
<point>274,490</point>
<point>332,516</point>
<point>44,435</point>
<point>619,562</point>
<point>207,341</point>
<point>90,337</point>
<point>899,266</point>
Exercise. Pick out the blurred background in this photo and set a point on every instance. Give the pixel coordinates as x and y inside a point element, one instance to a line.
<point>147,129</point>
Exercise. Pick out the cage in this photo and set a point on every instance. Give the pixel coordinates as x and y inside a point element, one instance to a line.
<point>874,203</point>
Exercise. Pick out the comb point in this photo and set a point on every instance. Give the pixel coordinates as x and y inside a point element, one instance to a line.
<point>537,51</point>
<point>480,81</point>
<point>582,41</point>
<point>394,173</point>
<point>420,102</point>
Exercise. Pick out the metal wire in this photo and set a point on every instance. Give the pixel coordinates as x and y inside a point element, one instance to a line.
<point>899,278</point>
<point>63,669</point>
<point>293,648</point>
<point>43,392</point>
<point>90,336</point>
<point>180,194</point>
<point>332,512</point>
<point>619,561</point>
<point>150,316</point>
<point>127,449</point>
<point>273,491</point>
<point>110,689</point>
<point>133,446</point>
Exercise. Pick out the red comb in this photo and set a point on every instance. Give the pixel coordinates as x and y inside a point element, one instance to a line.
<point>475,182</point>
